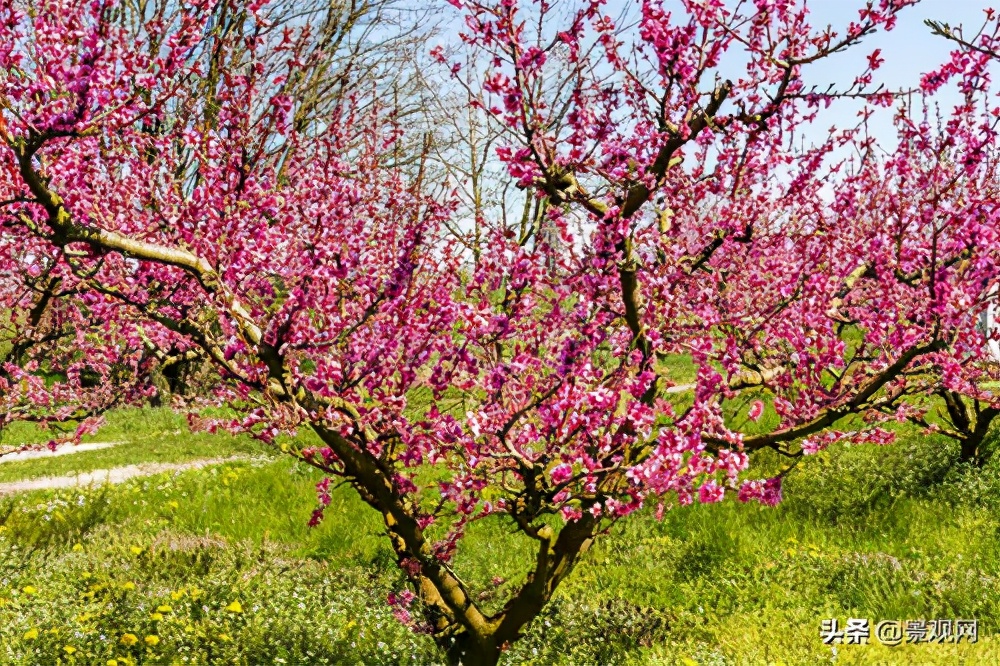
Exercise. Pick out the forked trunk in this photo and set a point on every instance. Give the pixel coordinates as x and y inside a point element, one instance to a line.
<point>972,446</point>
<point>972,422</point>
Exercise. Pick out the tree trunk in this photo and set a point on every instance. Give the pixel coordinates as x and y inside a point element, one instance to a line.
<point>465,650</point>
<point>971,451</point>
<point>162,396</point>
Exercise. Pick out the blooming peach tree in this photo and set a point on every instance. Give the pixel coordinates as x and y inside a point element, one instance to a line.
<point>816,301</point>
<point>532,386</point>
<point>895,257</point>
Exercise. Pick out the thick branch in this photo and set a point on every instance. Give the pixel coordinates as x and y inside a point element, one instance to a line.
<point>831,415</point>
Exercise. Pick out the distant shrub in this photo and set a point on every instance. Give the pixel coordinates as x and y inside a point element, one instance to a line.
<point>846,482</point>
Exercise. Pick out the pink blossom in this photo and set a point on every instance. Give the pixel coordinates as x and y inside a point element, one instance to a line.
<point>710,492</point>
<point>561,473</point>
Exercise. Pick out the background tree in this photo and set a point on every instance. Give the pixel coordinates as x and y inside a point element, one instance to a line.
<point>63,363</point>
<point>885,314</point>
<point>665,162</point>
<point>887,311</point>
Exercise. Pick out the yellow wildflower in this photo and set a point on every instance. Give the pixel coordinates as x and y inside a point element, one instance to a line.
<point>130,639</point>
<point>69,649</point>
<point>31,634</point>
<point>112,662</point>
<point>152,640</point>
<point>235,607</point>
<point>177,595</point>
<point>29,589</point>
<point>128,586</point>
<point>163,609</point>
<point>173,504</point>
<point>156,616</point>
<point>136,550</point>
<point>77,547</point>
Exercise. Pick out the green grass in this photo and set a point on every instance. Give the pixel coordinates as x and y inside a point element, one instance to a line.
<point>898,532</point>
<point>679,368</point>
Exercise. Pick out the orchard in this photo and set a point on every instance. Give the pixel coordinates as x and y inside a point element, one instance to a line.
<point>550,267</point>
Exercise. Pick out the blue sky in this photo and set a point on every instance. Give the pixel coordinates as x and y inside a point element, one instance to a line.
<point>909,50</point>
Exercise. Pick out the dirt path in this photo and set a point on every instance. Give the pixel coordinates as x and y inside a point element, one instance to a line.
<point>114,475</point>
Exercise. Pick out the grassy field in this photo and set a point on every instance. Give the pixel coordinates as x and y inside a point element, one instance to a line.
<point>218,565</point>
